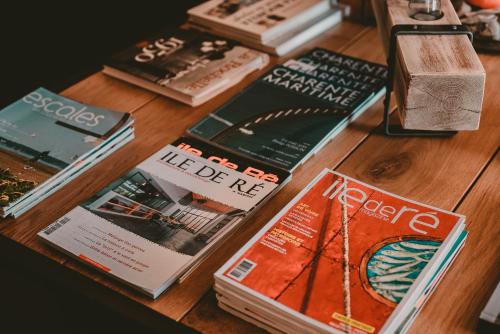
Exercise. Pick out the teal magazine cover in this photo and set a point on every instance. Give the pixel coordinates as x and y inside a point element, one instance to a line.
<point>43,133</point>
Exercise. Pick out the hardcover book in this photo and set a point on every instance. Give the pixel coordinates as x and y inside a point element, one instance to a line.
<point>342,257</point>
<point>151,225</point>
<point>44,136</point>
<point>187,65</point>
<point>295,108</point>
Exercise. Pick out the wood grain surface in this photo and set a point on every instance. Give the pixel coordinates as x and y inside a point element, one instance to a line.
<point>457,302</point>
<point>435,171</point>
<point>444,71</point>
<point>439,172</point>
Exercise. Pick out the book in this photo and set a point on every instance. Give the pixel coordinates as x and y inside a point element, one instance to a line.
<point>341,257</point>
<point>161,219</point>
<point>286,42</point>
<point>260,20</point>
<point>46,140</point>
<point>186,65</point>
<point>295,109</point>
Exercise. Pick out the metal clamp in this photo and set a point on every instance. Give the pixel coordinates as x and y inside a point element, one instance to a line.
<point>413,29</point>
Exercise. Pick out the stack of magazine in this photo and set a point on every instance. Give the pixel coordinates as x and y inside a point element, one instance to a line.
<point>155,224</point>
<point>274,26</point>
<point>341,257</point>
<point>47,140</point>
<point>293,110</point>
<point>491,311</point>
<point>187,65</point>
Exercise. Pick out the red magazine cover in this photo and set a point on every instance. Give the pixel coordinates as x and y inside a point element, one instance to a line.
<point>344,254</point>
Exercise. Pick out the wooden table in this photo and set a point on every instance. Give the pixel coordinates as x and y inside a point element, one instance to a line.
<point>459,173</point>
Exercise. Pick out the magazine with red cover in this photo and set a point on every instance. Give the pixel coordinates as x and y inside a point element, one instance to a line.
<point>343,253</point>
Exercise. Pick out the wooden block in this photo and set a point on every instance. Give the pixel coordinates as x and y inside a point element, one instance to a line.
<point>439,80</point>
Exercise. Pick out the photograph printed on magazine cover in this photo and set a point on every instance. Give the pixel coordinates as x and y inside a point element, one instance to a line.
<point>162,212</point>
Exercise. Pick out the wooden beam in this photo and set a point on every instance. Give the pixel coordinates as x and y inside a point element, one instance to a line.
<point>439,80</point>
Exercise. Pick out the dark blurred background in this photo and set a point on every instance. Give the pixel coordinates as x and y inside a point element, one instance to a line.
<point>54,45</point>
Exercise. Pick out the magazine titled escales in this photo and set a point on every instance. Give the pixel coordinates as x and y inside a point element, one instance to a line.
<point>47,140</point>
<point>149,226</point>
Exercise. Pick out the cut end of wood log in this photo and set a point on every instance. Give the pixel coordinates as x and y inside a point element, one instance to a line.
<point>439,79</point>
<point>443,102</point>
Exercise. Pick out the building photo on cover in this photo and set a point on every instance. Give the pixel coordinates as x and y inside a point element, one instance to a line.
<point>159,211</point>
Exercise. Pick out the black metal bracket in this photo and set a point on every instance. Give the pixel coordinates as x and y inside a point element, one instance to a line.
<point>413,29</point>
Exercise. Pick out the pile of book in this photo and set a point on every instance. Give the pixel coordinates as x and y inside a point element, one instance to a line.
<point>274,26</point>
<point>341,257</point>
<point>157,223</point>
<point>47,140</point>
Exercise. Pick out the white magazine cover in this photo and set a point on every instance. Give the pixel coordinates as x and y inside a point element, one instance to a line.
<point>259,19</point>
<point>149,225</point>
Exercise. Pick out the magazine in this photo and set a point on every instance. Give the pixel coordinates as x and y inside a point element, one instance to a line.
<point>341,257</point>
<point>151,225</point>
<point>44,136</point>
<point>295,108</point>
<point>287,41</point>
<point>187,65</point>
<point>261,20</point>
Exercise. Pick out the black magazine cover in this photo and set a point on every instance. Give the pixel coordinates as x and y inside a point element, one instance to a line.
<point>186,65</point>
<point>170,55</point>
<point>291,110</point>
<point>162,218</point>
